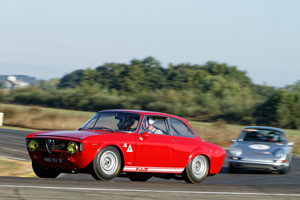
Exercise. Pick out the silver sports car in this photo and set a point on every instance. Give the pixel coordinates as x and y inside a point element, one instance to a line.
<point>261,148</point>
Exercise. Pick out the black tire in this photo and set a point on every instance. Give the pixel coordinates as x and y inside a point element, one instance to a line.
<point>42,172</point>
<point>196,170</point>
<point>92,172</point>
<point>285,169</point>
<point>232,169</point>
<point>107,164</point>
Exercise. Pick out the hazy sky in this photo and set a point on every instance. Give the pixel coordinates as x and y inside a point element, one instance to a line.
<point>48,39</point>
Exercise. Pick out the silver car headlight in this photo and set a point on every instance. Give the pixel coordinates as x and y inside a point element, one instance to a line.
<point>280,154</point>
<point>236,151</point>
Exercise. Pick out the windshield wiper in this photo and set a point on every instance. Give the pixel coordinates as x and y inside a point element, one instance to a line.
<point>105,128</point>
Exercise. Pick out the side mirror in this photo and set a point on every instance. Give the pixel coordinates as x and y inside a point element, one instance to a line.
<point>290,144</point>
<point>145,135</point>
<point>232,140</point>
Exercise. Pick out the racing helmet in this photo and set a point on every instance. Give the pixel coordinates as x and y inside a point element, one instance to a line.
<point>151,121</point>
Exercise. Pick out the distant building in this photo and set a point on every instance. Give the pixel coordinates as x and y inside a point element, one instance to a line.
<point>12,83</point>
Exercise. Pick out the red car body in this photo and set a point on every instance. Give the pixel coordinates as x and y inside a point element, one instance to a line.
<point>167,153</point>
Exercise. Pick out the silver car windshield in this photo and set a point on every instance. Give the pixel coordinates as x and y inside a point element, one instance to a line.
<point>262,135</point>
<point>115,121</point>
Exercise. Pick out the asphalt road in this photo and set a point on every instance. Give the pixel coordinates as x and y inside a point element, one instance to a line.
<point>243,185</point>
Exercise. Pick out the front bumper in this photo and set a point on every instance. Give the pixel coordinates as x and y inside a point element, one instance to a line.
<point>258,165</point>
<point>58,160</point>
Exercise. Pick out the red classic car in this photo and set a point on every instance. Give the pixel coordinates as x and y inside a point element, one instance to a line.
<point>128,143</point>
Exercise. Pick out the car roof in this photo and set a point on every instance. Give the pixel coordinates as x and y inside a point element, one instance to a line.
<point>264,128</point>
<point>144,112</point>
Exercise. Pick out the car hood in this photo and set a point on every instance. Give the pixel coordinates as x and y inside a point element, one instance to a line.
<point>260,146</point>
<point>69,134</point>
<point>259,151</point>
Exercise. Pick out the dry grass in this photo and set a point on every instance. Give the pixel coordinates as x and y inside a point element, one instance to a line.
<point>296,146</point>
<point>43,118</point>
<point>217,133</point>
<point>10,167</point>
<point>218,136</point>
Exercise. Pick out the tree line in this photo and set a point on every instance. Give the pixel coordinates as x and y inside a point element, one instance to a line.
<point>208,92</point>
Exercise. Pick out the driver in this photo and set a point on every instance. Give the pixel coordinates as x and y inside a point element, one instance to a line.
<point>151,129</point>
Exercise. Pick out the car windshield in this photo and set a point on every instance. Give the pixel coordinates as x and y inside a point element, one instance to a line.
<point>114,121</point>
<point>262,135</point>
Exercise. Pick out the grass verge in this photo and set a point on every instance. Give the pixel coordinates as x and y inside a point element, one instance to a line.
<point>9,167</point>
<point>40,118</point>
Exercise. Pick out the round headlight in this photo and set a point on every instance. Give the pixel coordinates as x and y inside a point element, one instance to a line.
<point>236,151</point>
<point>72,147</point>
<point>280,154</point>
<point>33,145</point>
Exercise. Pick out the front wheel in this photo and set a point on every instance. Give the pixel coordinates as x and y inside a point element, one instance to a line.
<point>285,169</point>
<point>107,164</point>
<point>232,169</point>
<point>42,172</point>
<point>196,170</point>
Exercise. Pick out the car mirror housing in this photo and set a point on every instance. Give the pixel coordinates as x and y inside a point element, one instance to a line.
<point>290,144</point>
<point>232,140</point>
<point>145,134</point>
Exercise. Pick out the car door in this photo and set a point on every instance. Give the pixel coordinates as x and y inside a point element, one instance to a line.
<point>154,149</point>
<point>184,141</point>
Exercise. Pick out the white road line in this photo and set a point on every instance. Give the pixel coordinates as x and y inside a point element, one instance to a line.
<point>149,191</point>
<point>14,158</point>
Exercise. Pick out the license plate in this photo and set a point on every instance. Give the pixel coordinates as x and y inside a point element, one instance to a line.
<point>53,160</point>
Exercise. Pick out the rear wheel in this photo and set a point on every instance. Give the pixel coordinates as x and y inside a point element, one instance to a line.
<point>107,164</point>
<point>196,170</point>
<point>42,172</point>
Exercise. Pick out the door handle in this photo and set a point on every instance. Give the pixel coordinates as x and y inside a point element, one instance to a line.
<point>174,141</point>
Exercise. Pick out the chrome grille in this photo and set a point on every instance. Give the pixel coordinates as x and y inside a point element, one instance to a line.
<point>49,145</point>
<point>53,145</point>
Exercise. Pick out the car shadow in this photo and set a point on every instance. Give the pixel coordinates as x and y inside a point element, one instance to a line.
<point>225,170</point>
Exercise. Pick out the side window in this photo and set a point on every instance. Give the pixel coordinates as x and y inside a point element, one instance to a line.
<point>155,125</point>
<point>179,128</point>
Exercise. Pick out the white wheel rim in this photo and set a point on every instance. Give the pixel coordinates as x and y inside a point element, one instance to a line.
<point>199,166</point>
<point>109,162</point>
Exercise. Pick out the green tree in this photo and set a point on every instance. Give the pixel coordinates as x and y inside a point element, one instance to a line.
<point>71,80</point>
<point>295,87</point>
<point>282,109</point>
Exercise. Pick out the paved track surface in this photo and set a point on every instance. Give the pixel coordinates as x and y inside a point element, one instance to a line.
<point>243,185</point>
